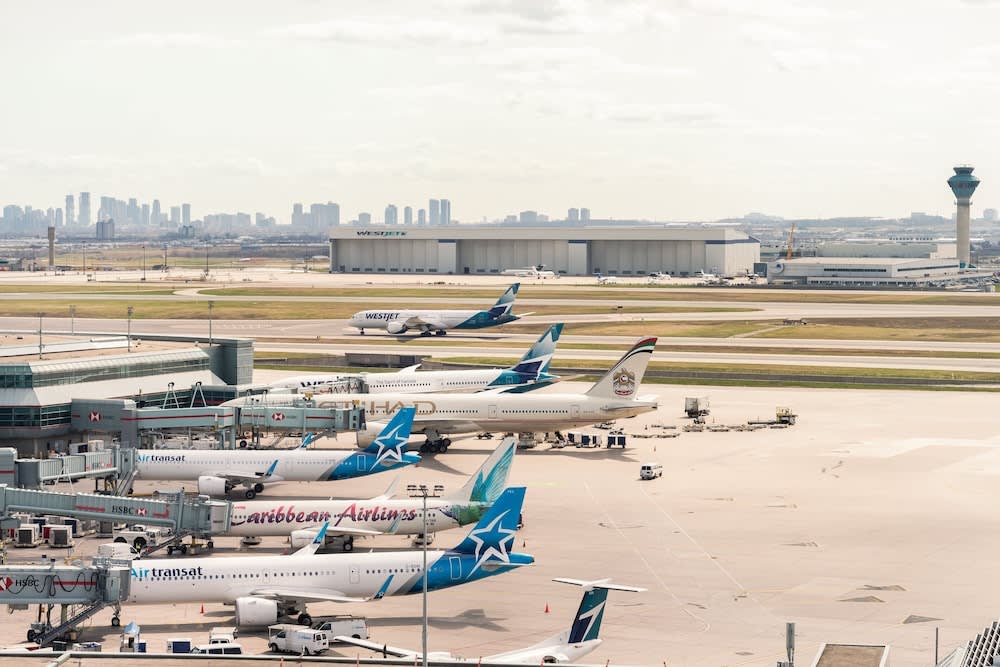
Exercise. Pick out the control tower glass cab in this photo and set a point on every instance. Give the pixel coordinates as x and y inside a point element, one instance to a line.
<point>963,184</point>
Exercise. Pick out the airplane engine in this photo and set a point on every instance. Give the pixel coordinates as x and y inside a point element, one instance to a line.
<point>209,485</point>
<point>370,432</point>
<point>301,538</point>
<point>256,612</point>
<point>395,327</point>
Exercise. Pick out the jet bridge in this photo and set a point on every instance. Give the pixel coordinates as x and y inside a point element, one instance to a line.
<point>200,517</point>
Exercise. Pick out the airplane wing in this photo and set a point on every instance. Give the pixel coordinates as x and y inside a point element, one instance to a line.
<point>416,322</point>
<point>317,595</point>
<point>266,477</point>
<point>520,315</point>
<point>409,369</point>
<point>384,649</point>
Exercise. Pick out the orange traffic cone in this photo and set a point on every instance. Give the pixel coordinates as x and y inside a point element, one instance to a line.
<point>546,607</point>
<point>203,609</point>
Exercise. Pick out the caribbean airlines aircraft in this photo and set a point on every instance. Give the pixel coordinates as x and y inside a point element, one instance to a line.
<point>219,471</point>
<point>382,515</point>
<point>264,588</point>
<point>531,372</point>
<point>438,322</point>
<point>567,646</point>
<point>614,396</point>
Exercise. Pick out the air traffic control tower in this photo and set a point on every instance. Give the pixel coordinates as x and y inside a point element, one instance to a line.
<point>963,184</point>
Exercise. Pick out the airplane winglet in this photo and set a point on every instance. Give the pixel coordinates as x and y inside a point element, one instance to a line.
<point>271,468</point>
<point>307,440</point>
<point>318,541</point>
<point>389,492</point>
<point>599,583</point>
<point>383,589</point>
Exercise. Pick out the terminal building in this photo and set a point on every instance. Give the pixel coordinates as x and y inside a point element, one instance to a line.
<point>862,271</point>
<point>574,250</point>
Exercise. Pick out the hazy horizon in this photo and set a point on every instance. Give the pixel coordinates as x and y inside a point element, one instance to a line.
<point>672,110</point>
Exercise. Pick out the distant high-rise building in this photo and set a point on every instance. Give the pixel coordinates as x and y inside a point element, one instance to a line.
<point>990,215</point>
<point>408,215</point>
<point>333,213</point>
<point>528,217</point>
<point>391,215</point>
<point>133,211</point>
<point>59,217</point>
<point>154,215</point>
<point>185,214</point>
<point>445,218</point>
<point>421,217</point>
<point>85,209</point>
<point>584,214</point>
<point>510,218</point>
<point>573,215</point>
<point>297,214</point>
<point>106,230</point>
<point>434,207</point>
<point>364,218</point>
<point>175,215</point>
<point>144,215</point>
<point>70,211</point>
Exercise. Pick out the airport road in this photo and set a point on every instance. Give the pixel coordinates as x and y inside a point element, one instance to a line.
<point>874,511</point>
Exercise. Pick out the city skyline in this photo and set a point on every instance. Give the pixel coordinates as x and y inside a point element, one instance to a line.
<point>672,110</point>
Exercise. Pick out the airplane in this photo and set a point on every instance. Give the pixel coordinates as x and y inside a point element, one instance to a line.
<point>381,515</point>
<point>529,272</point>
<point>706,276</point>
<point>438,322</point>
<point>265,588</point>
<point>570,645</point>
<point>531,372</point>
<point>606,280</point>
<point>218,471</point>
<point>614,396</point>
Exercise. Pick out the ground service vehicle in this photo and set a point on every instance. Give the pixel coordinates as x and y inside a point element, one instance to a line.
<point>291,638</point>
<point>347,626</point>
<point>650,470</point>
<point>218,649</point>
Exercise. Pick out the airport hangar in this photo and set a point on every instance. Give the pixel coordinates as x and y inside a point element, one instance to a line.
<point>862,271</point>
<point>575,250</point>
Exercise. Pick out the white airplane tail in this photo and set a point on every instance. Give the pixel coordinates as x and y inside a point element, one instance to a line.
<point>486,485</point>
<point>624,378</point>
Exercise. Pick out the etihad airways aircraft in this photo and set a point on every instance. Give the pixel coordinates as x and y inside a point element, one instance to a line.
<point>265,588</point>
<point>531,372</point>
<point>218,471</point>
<point>570,645</point>
<point>614,396</point>
<point>382,515</point>
<point>438,322</point>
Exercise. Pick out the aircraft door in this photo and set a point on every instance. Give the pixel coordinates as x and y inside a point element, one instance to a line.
<point>574,411</point>
<point>492,412</point>
<point>455,567</point>
<point>354,575</point>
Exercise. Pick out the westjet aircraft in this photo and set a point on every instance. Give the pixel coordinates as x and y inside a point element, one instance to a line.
<point>614,396</point>
<point>382,515</point>
<point>438,322</point>
<point>265,588</point>
<point>219,471</point>
<point>531,372</point>
<point>567,646</point>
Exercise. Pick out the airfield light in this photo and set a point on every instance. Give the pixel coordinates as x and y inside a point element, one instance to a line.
<point>424,492</point>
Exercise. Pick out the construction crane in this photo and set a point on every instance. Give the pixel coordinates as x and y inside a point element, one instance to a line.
<point>791,241</point>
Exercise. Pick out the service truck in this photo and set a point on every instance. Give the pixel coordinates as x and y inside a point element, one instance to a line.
<point>292,638</point>
<point>696,406</point>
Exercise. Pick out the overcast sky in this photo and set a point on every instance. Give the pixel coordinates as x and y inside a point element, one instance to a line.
<point>668,110</point>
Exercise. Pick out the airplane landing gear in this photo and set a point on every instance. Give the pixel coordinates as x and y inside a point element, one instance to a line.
<point>362,332</point>
<point>441,333</point>
<point>438,446</point>
<point>258,487</point>
<point>305,619</point>
<point>250,494</point>
<point>425,332</point>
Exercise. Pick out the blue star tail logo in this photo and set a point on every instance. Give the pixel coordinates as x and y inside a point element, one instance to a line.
<point>391,447</point>
<point>493,542</point>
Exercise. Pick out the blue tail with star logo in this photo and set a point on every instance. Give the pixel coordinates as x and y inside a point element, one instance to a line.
<point>486,551</point>
<point>387,451</point>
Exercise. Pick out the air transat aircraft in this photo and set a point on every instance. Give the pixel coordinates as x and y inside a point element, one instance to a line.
<point>531,372</point>
<point>614,396</point>
<point>438,322</point>
<point>219,471</point>
<point>264,588</point>
<point>382,515</point>
<point>567,646</point>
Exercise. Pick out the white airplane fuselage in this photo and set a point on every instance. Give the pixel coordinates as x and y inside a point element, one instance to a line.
<point>259,518</point>
<point>294,465</point>
<point>418,382</point>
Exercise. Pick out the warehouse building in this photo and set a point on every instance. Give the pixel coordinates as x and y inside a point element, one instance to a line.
<point>861,271</point>
<point>575,250</point>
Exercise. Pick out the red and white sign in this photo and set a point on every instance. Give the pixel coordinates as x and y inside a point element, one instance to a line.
<point>6,583</point>
<point>95,416</point>
<point>140,511</point>
<point>278,416</point>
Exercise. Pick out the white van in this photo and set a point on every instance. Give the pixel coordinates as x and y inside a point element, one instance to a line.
<point>219,649</point>
<point>650,471</point>
<point>289,638</point>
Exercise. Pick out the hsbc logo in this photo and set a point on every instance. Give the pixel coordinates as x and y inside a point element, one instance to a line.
<point>6,583</point>
<point>95,416</point>
<point>278,416</point>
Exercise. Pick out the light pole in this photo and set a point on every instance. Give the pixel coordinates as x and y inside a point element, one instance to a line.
<point>424,492</point>
<point>129,334</point>
<point>40,316</point>
<point>143,262</point>
<point>206,259</point>
<point>72,320</point>
<point>211,306</point>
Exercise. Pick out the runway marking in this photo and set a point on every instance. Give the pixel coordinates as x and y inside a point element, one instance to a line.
<point>656,575</point>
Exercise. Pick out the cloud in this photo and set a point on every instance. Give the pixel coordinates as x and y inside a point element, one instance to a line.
<point>676,115</point>
<point>170,40</point>
<point>572,17</point>
<point>387,31</point>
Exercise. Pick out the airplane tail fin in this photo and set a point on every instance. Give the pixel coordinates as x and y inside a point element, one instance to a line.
<point>307,439</point>
<point>624,378</point>
<point>587,622</point>
<point>505,302</point>
<point>493,536</point>
<point>486,485</point>
<point>538,358</point>
<point>397,430</point>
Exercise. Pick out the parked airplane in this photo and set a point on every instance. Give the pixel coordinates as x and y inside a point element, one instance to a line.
<point>529,272</point>
<point>381,515</point>
<point>606,280</point>
<point>706,276</point>
<point>438,322</point>
<point>531,372</point>
<point>264,588</point>
<point>612,397</point>
<point>218,471</point>
<point>570,645</point>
